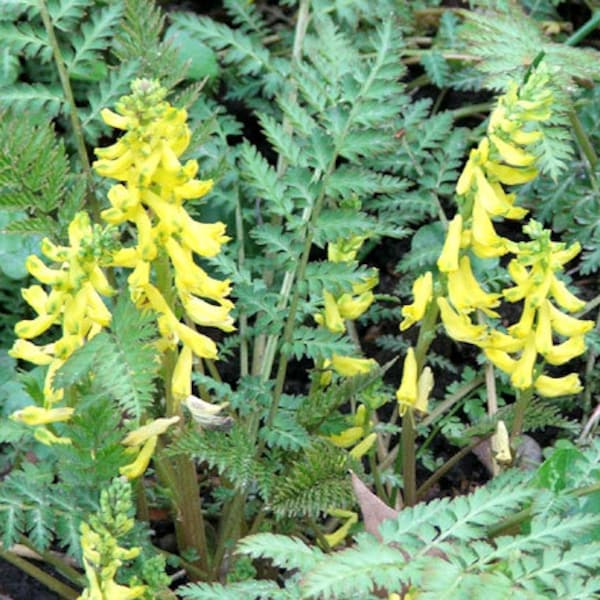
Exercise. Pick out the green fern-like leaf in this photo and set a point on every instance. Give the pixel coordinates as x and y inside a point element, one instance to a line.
<point>121,360</point>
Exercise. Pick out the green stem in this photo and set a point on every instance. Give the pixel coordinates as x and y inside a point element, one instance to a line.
<point>467,111</point>
<point>409,475</point>
<point>589,373</point>
<point>241,258</point>
<point>377,479</point>
<point>63,590</point>
<point>73,114</point>
<point>180,476</point>
<point>523,399</point>
<point>584,30</point>
<point>586,147</point>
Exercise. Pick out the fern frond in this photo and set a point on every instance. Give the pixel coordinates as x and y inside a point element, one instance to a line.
<point>27,39</point>
<point>34,97</point>
<point>67,14</point>
<point>257,590</point>
<point>95,35</point>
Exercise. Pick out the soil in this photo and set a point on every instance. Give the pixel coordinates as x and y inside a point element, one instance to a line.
<point>17,585</point>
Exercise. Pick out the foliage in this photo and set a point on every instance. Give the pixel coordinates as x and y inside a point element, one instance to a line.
<point>331,140</point>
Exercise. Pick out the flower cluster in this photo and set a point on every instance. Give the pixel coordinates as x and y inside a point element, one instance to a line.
<point>346,307</point>
<point>72,300</point>
<point>102,554</point>
<point>503,158</point>
<point>155,185</point>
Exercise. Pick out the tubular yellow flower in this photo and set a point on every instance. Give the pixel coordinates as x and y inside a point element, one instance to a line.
<point>424,387</point>
<point>142,434</point>
<point>36,297</point>
<point>500,359</point>
<point>511,154</point>
<point>422,294</point>
<point>30,328</point>
<point>181,386</point>
<point>348,437</point>
<point>524,326</point>
<point>348,366</point>
<point>340,534</point>
<point>209,315</point>
<point>466,294</point>
<point>407,393</point>
<point>559,354</point>
<point>552,387</point>
<point>522,375</point>
<point>352,307</point>
<point>31,353</point>
<point>510,175</point>
<point>492,198</point>
<point>566,325</point>
<point>543,330</point>
<point>459,326</point>
<point>448,260</point>
<point>200,344</point>
<point>331,318</point>
<point>564,297</point>
<point>46,437</point>
<point>140,464</point>
<point>36,415</point>
<point>363,447</point>
<point>486,242</point>
<point>502,341</point>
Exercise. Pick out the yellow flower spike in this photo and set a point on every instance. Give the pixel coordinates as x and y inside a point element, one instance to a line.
<point>559,354</point>
<point>347,366</point>
<point>422,290</point>
<point>522,376</point>
<point>209,315</point>
<point>448,260</point>
<point>566,325</point>
<point>511,154</point>
<point>523,327</point>
<point>351,307</point>
<point>138,467</point>
<point>46,437</point>
<point>36,415</point>
<point>466,294</point>
<point>348,437</point>
<point>459,326</point>
<point>142,434</point>
<point>552,387</point>
<point>564,297</point>
<point>31,328</point>
<point>486,242</point>
<point>201,345</point>
<point>36,297</point>
<point>511,175</point>
<point>502,341</point>
<point>500,359</point>
<point>363,447</point>
<point>424,387</point>
<point>333,320</point>
<point>30,352</point>
<point>115,120</point>
<point>42,272</point>
<point>543,330</point>
<point>407,393</point>
<point>181,385</point>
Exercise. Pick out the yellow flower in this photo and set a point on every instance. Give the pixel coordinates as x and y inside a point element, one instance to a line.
<point>31,353</point>
<point>485,241</point>
<point>407,393</point>
<point>46,437</point>
<point>501,341</point>
<point>422,294</point>
<point>348,366</point>
<point>466,294</point>
<point>340,534</point>
<point>522,375</point>
<point>36,415</point>
<point>524,326</point>
<point>559,354</point>
<point>424,387</point>
<point>566,325</point>
<point>543,330</point>
<point>564,297</point>
<point>364,446</point>
<point>140,464</point>
<point>30,328</point>
<point>142,434</point>
<point>552,387</point>
<point>448,260</point>
<point>510,175</point>
<point>511,154</point>
<point>458,326</point>
<point>352,307</point>
<point>344,250</point>
<point>181,385</point>
<point>500,359</point>
<point>333,320</point>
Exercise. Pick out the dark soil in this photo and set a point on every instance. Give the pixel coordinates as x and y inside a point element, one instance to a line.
<point>17,585</point>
